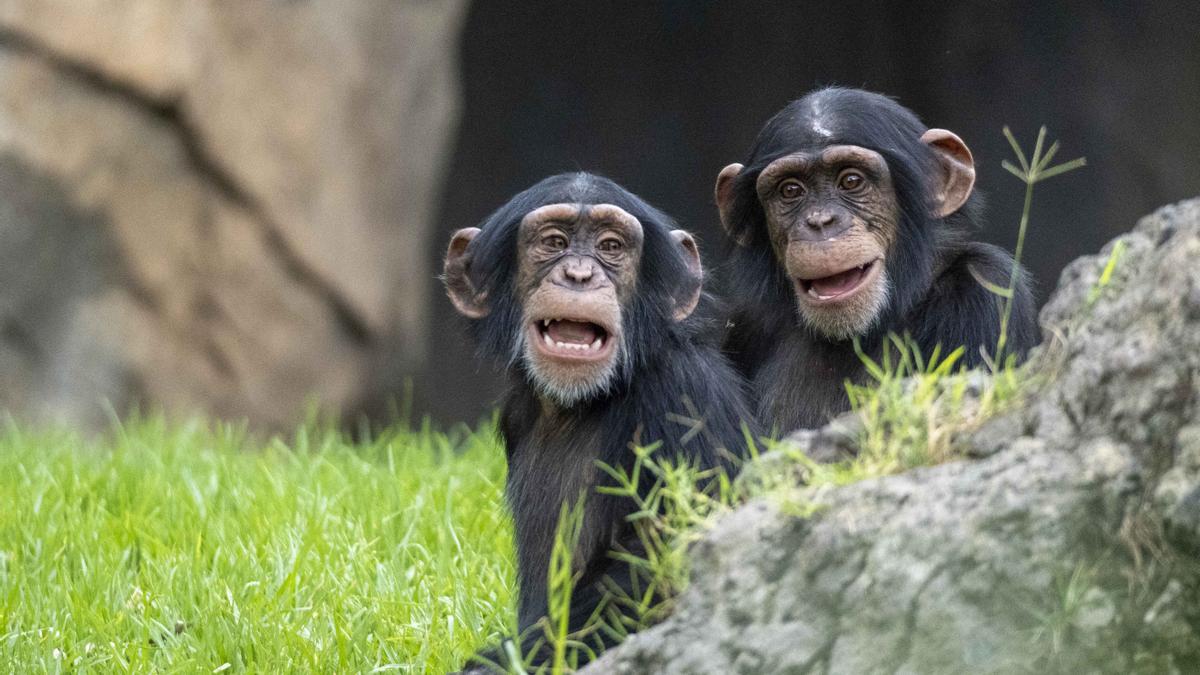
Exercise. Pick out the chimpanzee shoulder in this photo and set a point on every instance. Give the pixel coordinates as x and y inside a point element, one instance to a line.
<point>961,310</point>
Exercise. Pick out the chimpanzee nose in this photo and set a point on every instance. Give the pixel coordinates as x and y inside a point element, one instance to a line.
<point>819,220</point>
<point>578,271</point>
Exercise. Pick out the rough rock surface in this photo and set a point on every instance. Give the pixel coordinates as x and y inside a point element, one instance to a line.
<point>1069,546</point>
<point>218,206</point>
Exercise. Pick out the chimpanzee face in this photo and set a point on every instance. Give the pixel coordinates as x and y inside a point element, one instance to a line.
<point>577,269</point>
<point>832,217</point>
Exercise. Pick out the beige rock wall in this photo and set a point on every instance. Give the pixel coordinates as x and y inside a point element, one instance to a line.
<point>217,206</point>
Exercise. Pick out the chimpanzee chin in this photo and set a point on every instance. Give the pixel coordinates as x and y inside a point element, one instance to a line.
<point>851,220</point>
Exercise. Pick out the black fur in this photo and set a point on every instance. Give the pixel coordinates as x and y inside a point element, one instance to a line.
<point>799,375</point>
<point>553,452</point>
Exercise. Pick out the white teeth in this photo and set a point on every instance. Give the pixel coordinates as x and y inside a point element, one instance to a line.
<point>546,323</point>
<point>595,346</point>
<point>813,292</point>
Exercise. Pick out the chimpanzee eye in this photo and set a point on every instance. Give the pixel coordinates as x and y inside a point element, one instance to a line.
<point>851,181</point>
<point>555,242</point>
<point>610,245</point>
<point>790,189</point>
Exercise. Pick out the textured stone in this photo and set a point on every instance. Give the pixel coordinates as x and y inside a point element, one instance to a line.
<point>1069,547</point>
<point>245,189</point>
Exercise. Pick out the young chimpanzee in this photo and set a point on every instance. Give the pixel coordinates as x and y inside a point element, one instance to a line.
<point>587,294</point>
<point>850,219</point>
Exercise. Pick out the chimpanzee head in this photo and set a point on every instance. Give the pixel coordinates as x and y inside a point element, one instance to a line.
<point>574,282</point>
<point>844,195</point>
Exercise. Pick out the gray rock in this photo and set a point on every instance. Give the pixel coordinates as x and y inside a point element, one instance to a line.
<point>236,198</point>
<point>1069,546</point>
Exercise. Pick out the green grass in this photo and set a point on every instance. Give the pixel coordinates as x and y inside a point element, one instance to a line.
<point>191,548</point>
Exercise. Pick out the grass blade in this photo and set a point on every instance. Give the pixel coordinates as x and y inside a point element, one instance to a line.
<point>1063,168</point>
<point>1016,147</point>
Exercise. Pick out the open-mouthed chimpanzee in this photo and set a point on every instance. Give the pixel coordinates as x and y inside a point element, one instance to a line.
<point>851,220</point>
<point>587,294</point>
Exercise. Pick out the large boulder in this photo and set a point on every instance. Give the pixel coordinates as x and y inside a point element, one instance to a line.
<point>217,206</point>
<point>1068,543</point>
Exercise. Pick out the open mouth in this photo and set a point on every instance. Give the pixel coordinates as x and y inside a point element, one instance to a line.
<point>572,339</point>
<point>838,286</point>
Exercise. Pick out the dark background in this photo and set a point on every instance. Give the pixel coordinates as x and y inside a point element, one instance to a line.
<point>660,96</point>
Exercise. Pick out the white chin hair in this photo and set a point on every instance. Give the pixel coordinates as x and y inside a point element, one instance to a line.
<point>566,391</point>
<point>569,392</point>
<point>841,324</point>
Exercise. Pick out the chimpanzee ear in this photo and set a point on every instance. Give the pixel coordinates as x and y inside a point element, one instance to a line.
<point>690,294</point>
<point>958,171</point>
<point>724,195</point>
<point>456,275</point>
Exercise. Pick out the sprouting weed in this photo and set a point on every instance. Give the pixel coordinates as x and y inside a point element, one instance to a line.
<point>1031,172</point>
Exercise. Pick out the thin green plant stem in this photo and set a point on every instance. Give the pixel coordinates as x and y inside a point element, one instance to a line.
<point>562,578</point>
<point>1031,171</point>
<point>1016,272</point>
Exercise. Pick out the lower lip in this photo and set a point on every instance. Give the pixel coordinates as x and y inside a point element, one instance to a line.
<point>573,355</point>
<point>868,276</point>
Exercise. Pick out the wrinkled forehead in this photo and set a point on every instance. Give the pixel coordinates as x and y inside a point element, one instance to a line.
<point>572,217</point>
<point>834,156</point>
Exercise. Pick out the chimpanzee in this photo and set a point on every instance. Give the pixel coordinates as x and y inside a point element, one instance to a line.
<point>587,294</point>
<point>851,220</point>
